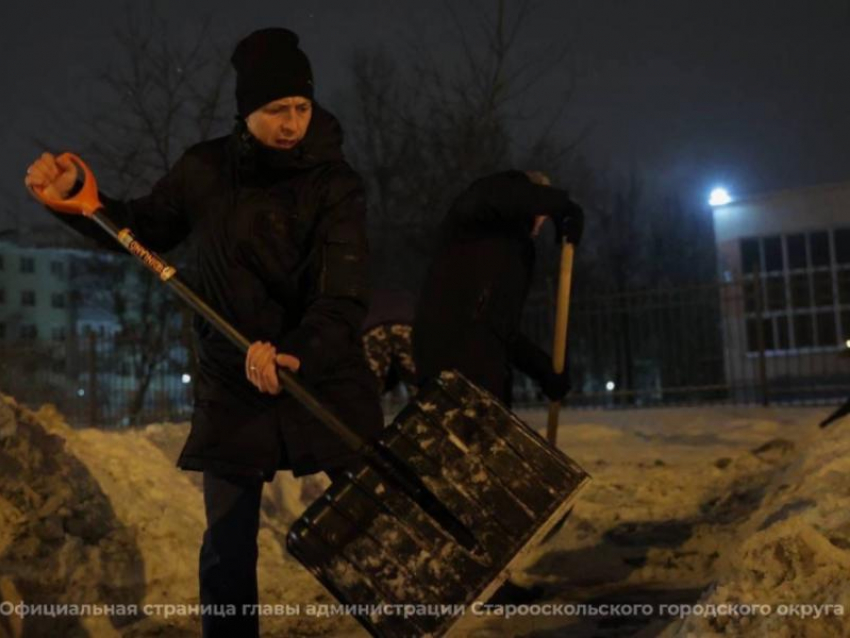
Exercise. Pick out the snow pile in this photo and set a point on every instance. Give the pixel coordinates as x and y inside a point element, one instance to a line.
<point>691,506</point>
<point>90,516</point>
<point>61,540</point>
<point>793,550</point>
<point>710,506</point>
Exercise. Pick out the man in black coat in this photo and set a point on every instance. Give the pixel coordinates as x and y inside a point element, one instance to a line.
<point>278,222</point>
<point>470,307</point>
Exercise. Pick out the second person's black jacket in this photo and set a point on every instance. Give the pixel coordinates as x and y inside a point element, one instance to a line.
<point>470,307</point>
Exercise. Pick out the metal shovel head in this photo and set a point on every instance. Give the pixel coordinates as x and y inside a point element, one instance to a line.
<point>401,571</point>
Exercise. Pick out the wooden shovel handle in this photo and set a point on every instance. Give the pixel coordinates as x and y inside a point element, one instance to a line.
<point>559,348</point>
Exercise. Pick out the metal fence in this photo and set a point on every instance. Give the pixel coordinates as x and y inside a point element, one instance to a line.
<point>727,342</point>
<point>731,342</point>
<point>101,380</point>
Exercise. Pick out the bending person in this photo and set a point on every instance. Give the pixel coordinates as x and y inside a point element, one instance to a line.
<point>471,304</point>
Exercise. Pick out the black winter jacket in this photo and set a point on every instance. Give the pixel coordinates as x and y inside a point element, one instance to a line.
<point>471,304</point>
<point>280,251</point>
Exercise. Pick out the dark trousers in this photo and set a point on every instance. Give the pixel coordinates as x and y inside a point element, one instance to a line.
<point>227,568</point>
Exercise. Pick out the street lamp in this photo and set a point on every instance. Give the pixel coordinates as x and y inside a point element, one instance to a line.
<point>719,197</point>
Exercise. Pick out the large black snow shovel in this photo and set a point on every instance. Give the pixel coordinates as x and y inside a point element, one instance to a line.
<point>442,505</point>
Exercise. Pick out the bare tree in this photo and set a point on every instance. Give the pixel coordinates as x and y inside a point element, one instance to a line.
<point>642,246</point>
<point>424,128</point>
<point>639,234</point>
<point>161,93</point>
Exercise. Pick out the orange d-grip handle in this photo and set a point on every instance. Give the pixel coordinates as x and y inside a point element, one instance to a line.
<point>85,201</point>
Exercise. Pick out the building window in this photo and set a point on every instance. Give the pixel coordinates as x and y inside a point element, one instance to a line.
<point>27,264</point>
<point>2,295</point>
<point>2,263</point>
<point>28,331</point>
<point>27,297</point>
<point>58,333</point>
<point>57,300</point>
<point>841,237</point>
<point>2,330</point>
<point>57,268</point>
<point>804,295</point>
<point>750,258</point>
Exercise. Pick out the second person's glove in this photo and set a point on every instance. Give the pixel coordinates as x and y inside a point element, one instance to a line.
<point>555,386</point>
<point>569,224</point>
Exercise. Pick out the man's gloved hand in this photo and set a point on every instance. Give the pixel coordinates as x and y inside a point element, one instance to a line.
<point>555,386</point>
<point>569,223</point>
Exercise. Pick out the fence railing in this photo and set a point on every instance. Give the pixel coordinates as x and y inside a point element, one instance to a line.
<point>717,342</point>
<point>729,342</point>
<point>102,381</point>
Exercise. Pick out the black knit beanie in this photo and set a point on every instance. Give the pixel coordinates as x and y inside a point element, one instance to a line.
<point>269,66</point>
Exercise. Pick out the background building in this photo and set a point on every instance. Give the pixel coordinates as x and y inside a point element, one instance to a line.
<point>35,293</point>
<point>85,329</point>
<point>792,251</point>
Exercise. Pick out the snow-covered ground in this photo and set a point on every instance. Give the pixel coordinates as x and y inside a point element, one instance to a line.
<point>714,507</point>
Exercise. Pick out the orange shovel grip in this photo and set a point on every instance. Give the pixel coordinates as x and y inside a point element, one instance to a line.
<point>85,202</point>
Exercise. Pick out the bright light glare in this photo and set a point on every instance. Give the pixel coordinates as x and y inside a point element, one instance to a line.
<point>847,344</point>
<point>610,386</point>
<point>81,393</point>
<point>186,378</point>
<point>719,197</point>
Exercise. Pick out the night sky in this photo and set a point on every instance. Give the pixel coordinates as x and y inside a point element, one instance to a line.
<point>753,94</point>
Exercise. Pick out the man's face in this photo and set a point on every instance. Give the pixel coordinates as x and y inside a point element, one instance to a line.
<point>281,123</point>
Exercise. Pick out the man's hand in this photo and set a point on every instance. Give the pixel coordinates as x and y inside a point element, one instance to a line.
<point>261,365</point>
<point>55,177</point>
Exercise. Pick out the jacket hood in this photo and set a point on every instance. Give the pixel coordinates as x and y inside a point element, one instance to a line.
<point>321,144</point>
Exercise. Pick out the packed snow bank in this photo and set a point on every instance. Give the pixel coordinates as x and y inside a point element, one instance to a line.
<point>91,516</point>
<point>792,550</point>
<point>706,506</point>
<point>697,506</point>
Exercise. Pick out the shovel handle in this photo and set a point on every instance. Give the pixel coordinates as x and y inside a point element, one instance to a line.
<point>562,316</point>
<point>84,202</point>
